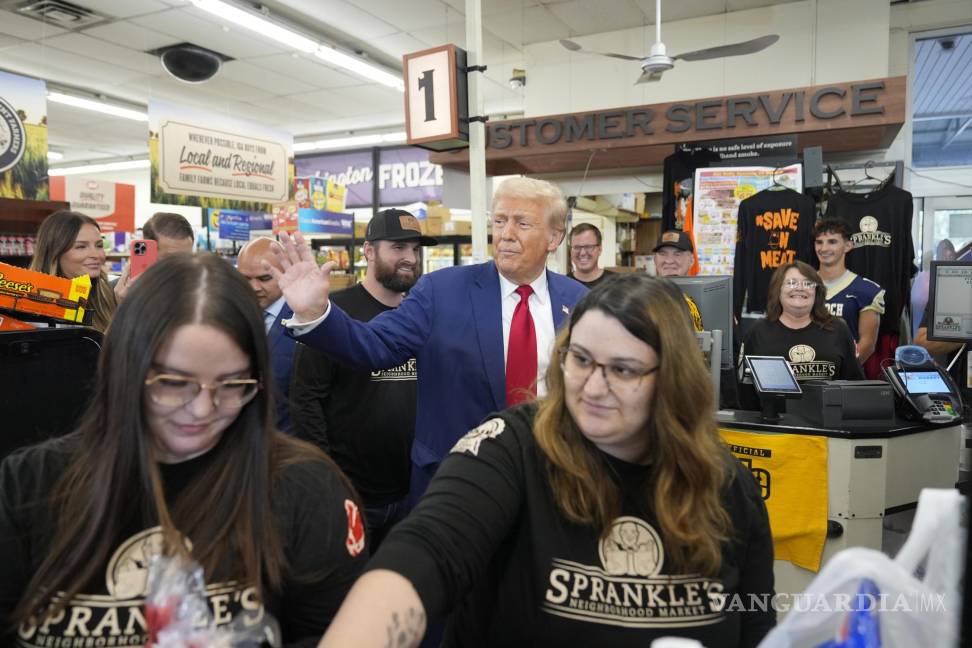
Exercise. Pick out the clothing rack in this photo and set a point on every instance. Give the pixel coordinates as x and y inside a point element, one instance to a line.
<point>897,171</point>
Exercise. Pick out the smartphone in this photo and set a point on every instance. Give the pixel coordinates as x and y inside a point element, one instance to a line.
<point>144,254</point>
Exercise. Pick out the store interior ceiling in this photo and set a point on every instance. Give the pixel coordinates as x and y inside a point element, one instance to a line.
<point>107,55</point>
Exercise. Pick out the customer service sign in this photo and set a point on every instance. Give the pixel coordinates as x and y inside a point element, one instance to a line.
<point>208,155</point>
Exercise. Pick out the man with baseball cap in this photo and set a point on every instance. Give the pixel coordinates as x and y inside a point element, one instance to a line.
<point>674,255</point>
<point>365,420</point>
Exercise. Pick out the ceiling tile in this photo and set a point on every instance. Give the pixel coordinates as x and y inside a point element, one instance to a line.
<point>371,98</point>
<point>532,25</point>
<point>129,34</point>
<point>63,67</point>
<point>125,9</point>
<point>408,16</point>
<point>307,69</point>
<point>9,41</point>
<point>99,50</point>
<point>275,84</point>
<point>453,31</point>
<point>27,28</point>
<point>346,17</point>
<point>397,45</point>
<point>588,17</point>
<point>198,27</point>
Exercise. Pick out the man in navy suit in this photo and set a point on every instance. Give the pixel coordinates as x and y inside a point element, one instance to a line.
<point>275,310</point>
<point>478,349</point>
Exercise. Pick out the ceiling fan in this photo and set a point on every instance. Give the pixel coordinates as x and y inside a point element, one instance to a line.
<point>658,62</point>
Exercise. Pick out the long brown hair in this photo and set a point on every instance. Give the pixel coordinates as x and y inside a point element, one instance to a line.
<point>819,312</point>
<point>689,461</point>
<point>113,480</point>
<point>55,236</point>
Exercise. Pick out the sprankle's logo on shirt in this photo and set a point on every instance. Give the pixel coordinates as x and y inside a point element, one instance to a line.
<point>628,589</point>
<point>870,235</point>
<point>474,438</point>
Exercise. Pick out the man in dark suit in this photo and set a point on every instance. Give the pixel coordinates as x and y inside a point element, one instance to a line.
<point>479,348</point>
<point>275,310</point>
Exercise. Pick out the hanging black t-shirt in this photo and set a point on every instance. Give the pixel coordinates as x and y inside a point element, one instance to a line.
<point>880,224</point>
<point>678,167</point>
<point>488,542</point>
<point>365,420</point>
<point>774,227</point>
<point>312,509</point>
<point>814,352</point>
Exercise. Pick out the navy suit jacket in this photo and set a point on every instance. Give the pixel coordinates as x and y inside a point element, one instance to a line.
<point>281,361</point>
<point>452,324</point>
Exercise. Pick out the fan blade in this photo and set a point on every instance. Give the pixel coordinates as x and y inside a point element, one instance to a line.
<point>649,77</point>
<point>734,49</point>
<point>574,47</point>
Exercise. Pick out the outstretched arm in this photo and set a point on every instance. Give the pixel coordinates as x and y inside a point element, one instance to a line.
<point>305,285</point>
<point>382,610</point>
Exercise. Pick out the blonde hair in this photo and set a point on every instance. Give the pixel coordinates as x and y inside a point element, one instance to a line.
<point>690,464</point>
<point>548,193</point>
<point>55,236</point>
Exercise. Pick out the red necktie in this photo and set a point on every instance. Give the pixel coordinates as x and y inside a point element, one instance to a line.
<point>521,354</point>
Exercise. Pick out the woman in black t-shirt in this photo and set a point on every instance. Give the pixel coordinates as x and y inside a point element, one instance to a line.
<point>608,514</point>
<point>799,327</point>
<point>176,455</point>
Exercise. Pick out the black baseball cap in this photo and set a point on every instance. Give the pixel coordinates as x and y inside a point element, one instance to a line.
<point>677,239</point>
<point>396,225</point>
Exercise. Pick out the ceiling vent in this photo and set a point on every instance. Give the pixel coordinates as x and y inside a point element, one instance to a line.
<point>61,13</point>
<point>190,63</point>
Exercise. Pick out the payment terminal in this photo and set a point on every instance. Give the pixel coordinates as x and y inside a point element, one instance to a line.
<point>924,390</point>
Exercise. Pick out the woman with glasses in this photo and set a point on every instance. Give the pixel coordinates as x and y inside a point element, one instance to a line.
<point>177,455</point>
<point>607,514</point>
<point>799,327</point>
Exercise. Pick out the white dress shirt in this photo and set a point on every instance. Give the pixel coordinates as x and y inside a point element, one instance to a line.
<point>543,322</point>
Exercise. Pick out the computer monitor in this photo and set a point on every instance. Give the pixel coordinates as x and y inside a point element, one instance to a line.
<point>773,375</point>
<point>713,296</point>
<point>950,301</point>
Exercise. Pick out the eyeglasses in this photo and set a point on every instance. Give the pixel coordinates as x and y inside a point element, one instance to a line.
<point>800,283</point>
<point>584,248</point>
<point>620,378</point>
<point>175,391</point>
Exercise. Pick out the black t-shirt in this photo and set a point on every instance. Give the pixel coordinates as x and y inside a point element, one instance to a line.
<point>488,542</point>
<point>679,166</point>
<point>814,352</point>
<point>311,508</point>
<point>607,274</point>
<point>880,224</point>
<point>774,227</point>
<point>364,419</point>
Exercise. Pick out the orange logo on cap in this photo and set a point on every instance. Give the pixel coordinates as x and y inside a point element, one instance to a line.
<point>410,223</point>
<point>670,237</point>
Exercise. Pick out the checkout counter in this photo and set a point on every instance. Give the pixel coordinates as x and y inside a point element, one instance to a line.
<point>874,466</point>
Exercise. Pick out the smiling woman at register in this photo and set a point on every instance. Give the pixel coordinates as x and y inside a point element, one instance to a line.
<point>799,327</point>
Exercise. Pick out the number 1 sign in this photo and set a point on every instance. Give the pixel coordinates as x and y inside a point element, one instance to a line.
<point>436,102</point>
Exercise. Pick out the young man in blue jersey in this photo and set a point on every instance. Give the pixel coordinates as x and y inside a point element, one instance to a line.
<point>858,301</point>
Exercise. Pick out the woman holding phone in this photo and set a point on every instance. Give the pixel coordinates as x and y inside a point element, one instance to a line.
<point>176,455</point>
<point>69,245</point>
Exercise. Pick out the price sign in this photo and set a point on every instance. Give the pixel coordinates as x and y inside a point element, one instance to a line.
<point>436,101</point>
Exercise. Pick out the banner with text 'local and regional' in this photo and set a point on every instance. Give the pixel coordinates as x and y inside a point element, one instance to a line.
<point>217,162</point>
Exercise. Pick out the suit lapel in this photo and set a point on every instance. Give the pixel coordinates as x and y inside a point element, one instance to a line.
<point>488,314</point>
<point>276,333</point>
<point>558,304</point>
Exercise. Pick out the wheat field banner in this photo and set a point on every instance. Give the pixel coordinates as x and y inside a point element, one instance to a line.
<point>23,138</point>
<point>215,161</point>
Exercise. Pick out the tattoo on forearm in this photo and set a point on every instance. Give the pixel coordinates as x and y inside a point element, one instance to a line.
<point>405,630</point>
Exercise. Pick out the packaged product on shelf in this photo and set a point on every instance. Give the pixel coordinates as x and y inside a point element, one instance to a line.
<point>318,194</point>
<point>302,192</point>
